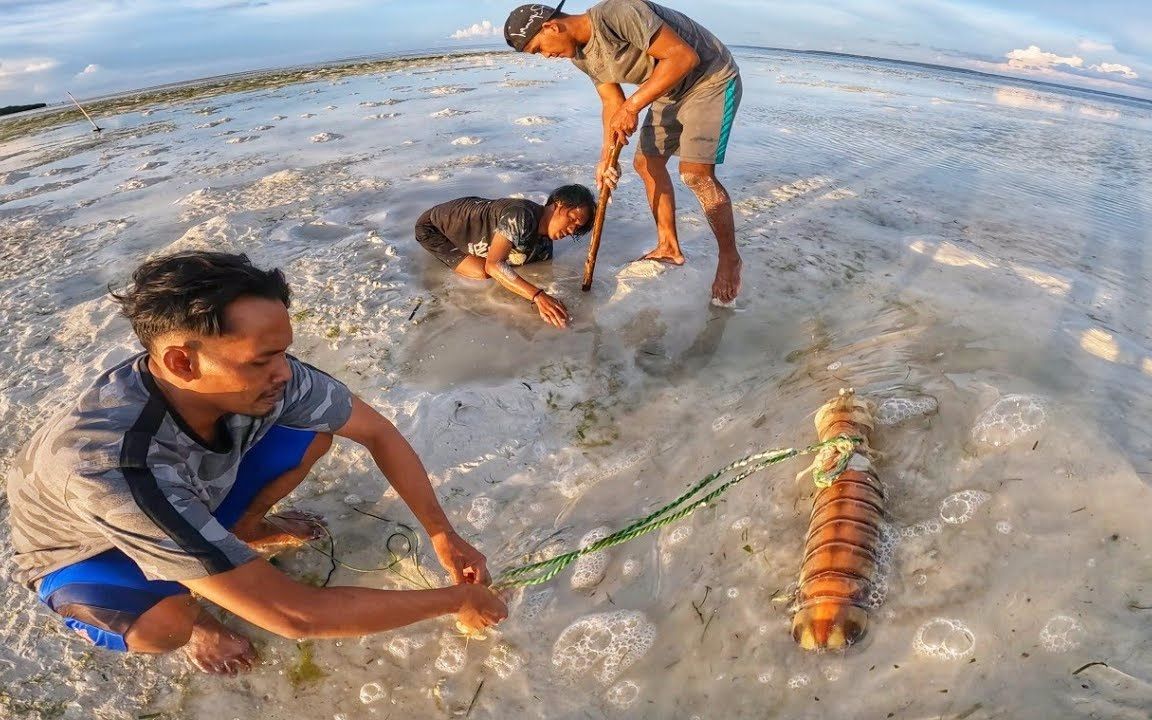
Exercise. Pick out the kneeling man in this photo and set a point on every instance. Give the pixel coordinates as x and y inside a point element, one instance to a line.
<point>481,239</point>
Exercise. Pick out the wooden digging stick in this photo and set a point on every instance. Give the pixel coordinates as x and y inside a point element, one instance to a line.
<point>95,127</point>
<point>598,223</point>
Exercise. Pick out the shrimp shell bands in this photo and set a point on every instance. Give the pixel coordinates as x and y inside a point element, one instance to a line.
<point>839,569</point>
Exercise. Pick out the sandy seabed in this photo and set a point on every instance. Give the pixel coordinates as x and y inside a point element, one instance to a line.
<point>970,253</point>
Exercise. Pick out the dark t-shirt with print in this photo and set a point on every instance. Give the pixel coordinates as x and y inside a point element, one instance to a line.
<point>471,222</point>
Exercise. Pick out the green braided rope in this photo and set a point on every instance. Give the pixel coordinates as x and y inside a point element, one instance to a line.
<point>841,446</point>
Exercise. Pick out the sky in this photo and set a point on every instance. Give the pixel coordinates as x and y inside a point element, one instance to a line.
<point>97,47</point>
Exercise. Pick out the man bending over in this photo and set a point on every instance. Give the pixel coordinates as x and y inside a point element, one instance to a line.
<point>691,86</point>
<point>156,482</point>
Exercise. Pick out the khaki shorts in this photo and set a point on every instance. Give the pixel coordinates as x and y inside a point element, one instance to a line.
<point>695,127</point>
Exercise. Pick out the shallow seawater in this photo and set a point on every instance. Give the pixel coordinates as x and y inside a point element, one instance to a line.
<point>972,254</point>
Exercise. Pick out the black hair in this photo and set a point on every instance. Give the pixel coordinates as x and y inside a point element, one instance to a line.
<point>190,291</point>
<point>572,197</point>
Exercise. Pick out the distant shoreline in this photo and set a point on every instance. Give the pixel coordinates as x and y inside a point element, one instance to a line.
<point>13,109</point>
<point>130,100</point>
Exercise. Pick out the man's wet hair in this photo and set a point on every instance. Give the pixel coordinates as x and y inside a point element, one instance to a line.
<point>575,196</point>
<point>190,292</point>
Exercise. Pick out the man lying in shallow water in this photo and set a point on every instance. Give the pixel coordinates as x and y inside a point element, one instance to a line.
<point>157,481</point>
<point>482,239</point>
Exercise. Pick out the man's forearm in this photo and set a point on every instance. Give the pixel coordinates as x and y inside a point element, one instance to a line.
<point>610,108</point>
<point>354,611</point>
<point>502,272</point>
<point>400,464</point>
<point>664,77</point>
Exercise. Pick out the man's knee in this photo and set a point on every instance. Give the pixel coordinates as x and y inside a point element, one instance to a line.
<point>646,164</point>
<point>164,627</point>
<point>698,178</point>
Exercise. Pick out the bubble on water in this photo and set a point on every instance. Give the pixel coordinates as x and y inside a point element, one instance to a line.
<point>1009,419</point>
<point>798,681</point>
<point>402,647</point>
<point>832,672</point>
<point>503,660</point>
<point>630,568</point>
<point>534,604</point>
<point>1004,527</point>
<point>879,590</point>
<point>764,629</point>
<point>721,422</point>
<point>765,677</point>
<point>894,411</point>
<point>1061,634</point>
<point>834,366</point>
<point>733,592</point>
<point>482,512</point>
<point>453,654</point>
<point>666,558</point>
<point>742,523</point>
<point>680,534</point>
<point>353,499</point>
<point>944,639</point>
<point>372,692</point>
<point>885,550</point>
<point>603,645</point>
<point>589,569</point>
<point>920,529</point>
<point>623,693</point>
<point>958,508</point>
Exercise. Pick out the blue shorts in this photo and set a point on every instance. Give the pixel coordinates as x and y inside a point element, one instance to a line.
<point>103,596</point>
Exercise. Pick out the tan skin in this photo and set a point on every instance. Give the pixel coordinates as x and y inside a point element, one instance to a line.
<point>557,222</point>
<point>245,372</point>
<point>562,38</point>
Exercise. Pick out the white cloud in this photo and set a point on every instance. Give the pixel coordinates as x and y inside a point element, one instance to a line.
<point>1124,70</point>
<point>480,29</point>
<point>1089,45</point>
<point>13,72</point>
<point>1033,58</point>
<point>92,68</point>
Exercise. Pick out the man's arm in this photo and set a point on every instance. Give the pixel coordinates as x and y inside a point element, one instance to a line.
<point>268,598</point>
<point>611,99</point>
<point>402,466</point>
<point>674,60</point>
<point>498,267</point>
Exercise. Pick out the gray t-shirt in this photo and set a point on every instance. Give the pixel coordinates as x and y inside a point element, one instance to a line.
<point>120,469</point>
<point>622,32</point>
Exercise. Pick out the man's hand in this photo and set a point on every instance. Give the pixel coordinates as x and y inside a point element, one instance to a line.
<point>623,124</point>
<point>465,563</point>
<point>480,609</point>
<point>607,176</point>
<point>551,310</point>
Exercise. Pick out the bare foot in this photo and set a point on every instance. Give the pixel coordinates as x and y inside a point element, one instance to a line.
<point>726,286</point>
<point>666,255</point>
<point>215,649</point>
<point>282,531</point>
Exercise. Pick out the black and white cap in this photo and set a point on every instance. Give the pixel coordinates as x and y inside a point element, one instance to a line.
<point>525,21</point>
